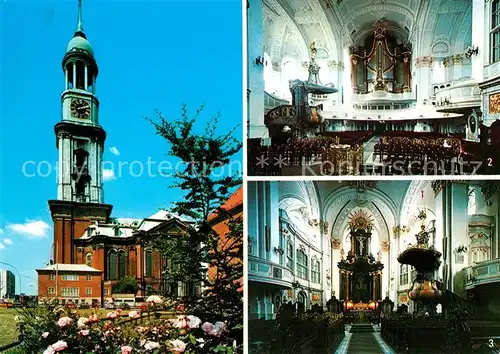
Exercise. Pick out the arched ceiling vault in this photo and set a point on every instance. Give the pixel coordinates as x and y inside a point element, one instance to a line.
<point>428,24</point>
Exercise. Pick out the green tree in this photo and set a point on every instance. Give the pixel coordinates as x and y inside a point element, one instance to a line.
<point>207,183</point>
<point>126,285</point>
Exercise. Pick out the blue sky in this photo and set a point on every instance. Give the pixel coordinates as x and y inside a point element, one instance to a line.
<point>151,55</point>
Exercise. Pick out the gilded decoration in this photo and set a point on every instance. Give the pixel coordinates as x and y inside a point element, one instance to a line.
<point>437,186</point>
<point>421,62</point>
<point>385,246</point>
<point>458,59</point>
<point>335,243</point>
<point>494,103</point>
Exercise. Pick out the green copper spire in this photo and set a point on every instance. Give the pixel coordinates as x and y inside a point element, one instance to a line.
<point>79,26</point>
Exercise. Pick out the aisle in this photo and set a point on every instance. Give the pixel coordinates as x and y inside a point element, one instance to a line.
<point>363,340</point>
<point>369,149</point>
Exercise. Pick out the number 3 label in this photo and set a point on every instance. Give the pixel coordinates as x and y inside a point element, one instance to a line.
<point>491,344</point>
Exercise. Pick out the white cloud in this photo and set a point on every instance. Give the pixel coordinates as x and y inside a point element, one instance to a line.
<point>7,241</point>
<point>2,246</point>
<point>108,175</point>
<point>114,150</point>
<point>1,231</point>
<point>32,228</point>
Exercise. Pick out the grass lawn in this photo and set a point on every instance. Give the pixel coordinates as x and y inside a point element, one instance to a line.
<point>8,326</point>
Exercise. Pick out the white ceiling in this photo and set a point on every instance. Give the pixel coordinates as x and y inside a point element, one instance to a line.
<point>434,27</point>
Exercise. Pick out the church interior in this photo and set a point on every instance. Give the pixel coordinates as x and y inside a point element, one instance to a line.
<point>373,266</point>
<point>378,87</point>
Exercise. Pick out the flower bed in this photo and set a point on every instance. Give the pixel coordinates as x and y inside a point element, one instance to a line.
<point>49,331</point>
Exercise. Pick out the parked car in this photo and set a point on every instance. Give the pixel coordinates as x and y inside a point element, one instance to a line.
<point>6,304</point>
<point>109,305</point>
<point>84,306</point>
<point>70,305</point>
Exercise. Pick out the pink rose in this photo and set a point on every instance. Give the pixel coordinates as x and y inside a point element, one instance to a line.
<point>134,314</point>
<point>207,327</point>
<point>127,349</point>
<point>151,345</point>
<point>84,332</point>
<point>112,315</point>
<point>178,346</point>
<point>60,346</point>
<point>45,335</point>
<point>181,322</point>
<point>194,322</point>
<point>218,329</point>
<point>49,350</point>
<point>93,318</point>
<point>82,321</point>
<point>64,322</point>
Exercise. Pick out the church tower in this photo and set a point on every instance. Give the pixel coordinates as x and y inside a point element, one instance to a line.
<point>80,143</point>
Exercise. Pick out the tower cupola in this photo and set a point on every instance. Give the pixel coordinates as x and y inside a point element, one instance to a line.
<point>79,64</point>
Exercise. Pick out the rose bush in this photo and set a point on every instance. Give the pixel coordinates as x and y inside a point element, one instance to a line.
<point>49,331</point>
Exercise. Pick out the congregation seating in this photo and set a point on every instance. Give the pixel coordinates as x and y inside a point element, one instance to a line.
<point>334,157</point>
<point>351,138</point>
<point>310,332</point>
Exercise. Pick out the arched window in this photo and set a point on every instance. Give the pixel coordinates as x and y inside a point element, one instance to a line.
<point>268,74</point>
<point>122,264</point>
<point>112,265</point>
<point>88,259</point>
<point>472,202</point>
<point>302,271</point>
<point>315,272</point>
<point>149,263</point>
<point>289,256</point>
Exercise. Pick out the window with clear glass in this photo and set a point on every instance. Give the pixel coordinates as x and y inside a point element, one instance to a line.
<point>70,277</point>
<point>403,275</point>
<point>289,256</point>
<point>495,31</point>
<point>302,269</point>
<point>88,291</point>
<point>315,272</point>
<point>70,292</point>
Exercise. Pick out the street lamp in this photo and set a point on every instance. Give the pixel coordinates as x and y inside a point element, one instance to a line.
<point>19,274</point>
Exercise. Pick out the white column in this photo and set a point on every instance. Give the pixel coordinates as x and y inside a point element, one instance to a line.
<point>74,74</point>
<point>66,78</point>
<point>423,78</point>
<point>478,39</point>
<point>272,214</point>
<point>459,232</point>
<point>255,35</point>
<point>457,67</point>
<point>86,79</point>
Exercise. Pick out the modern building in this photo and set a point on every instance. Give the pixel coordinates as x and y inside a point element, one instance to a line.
<point>367,72</point>
<point>7,284</point>
<point>92,251</point>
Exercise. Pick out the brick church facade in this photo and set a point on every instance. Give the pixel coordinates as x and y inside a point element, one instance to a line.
<point>92,250</point>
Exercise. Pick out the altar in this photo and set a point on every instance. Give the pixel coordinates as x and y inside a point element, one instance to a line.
<point>360,272</point>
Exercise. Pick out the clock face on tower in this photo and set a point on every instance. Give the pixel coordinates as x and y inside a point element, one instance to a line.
<point>80,109</point>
